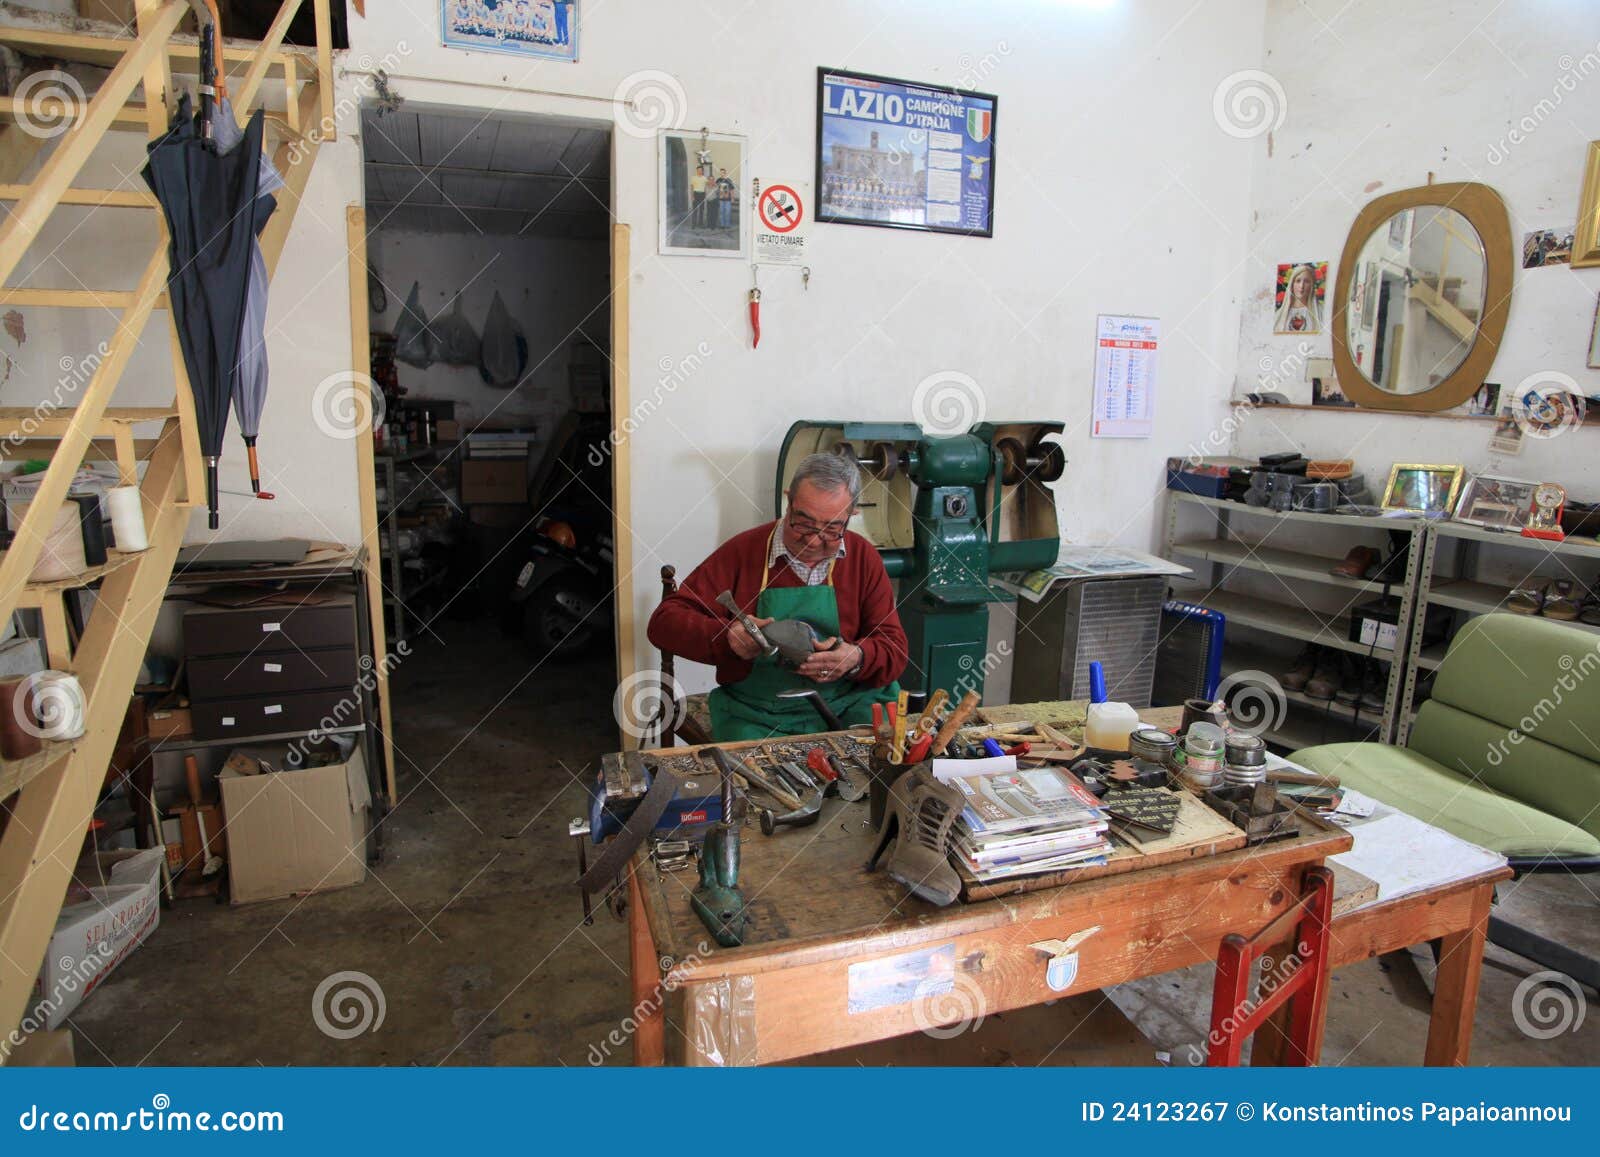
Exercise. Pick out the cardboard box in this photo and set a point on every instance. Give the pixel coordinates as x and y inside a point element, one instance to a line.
<point>42,1050</point>
<point>170,721</point>
<point>447,430</point>
<point>494,480</point>
<point>95,934</point>
<point>292,832</point>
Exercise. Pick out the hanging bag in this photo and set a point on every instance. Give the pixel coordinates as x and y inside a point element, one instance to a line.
<point>505,350</point>
<point>455,341</point>
<point>412,342</point>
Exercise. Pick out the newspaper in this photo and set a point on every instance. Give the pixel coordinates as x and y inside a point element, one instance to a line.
<point>1085,562</point>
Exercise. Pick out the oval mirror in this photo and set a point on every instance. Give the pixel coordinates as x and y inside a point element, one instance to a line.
<point>1421,298</point>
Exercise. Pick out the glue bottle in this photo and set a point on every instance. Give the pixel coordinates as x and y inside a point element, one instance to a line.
<point>1108,724</point>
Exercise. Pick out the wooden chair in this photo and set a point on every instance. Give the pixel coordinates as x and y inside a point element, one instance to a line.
<point>686,719</point>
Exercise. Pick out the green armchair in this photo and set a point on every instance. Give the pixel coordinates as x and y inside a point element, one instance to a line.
<point>1506,754</point>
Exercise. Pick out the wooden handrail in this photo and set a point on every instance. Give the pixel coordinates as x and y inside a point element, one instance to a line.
<point>58,173</point>
<point>264,59</point>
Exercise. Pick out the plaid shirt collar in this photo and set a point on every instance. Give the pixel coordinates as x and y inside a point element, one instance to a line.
<point>812,576</point>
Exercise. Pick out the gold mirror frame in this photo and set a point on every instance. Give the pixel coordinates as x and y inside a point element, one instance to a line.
<point>1483,207</point>
<point>1586,243</point>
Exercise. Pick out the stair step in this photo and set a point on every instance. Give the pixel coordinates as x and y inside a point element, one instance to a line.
<point>130,117</point>
<point>36,591</point>
<point>20,422</point>
<point>15,773</point>
<point>115,299</point>
<point>105,51</point>
<point>114,198</point>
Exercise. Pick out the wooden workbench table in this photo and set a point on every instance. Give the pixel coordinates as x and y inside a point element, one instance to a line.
<point>833,955</point>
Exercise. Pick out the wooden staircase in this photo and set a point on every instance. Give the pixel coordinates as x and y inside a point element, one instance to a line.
<point>56,790</point>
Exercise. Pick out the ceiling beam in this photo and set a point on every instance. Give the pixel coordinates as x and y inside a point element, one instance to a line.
<point>429,171</point>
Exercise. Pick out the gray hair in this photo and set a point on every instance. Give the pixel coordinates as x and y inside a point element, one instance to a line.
<point>828,472</point>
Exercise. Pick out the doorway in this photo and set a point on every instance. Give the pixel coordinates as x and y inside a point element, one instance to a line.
<point>489,296</point>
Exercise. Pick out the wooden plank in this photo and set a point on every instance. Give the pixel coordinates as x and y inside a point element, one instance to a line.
<point>15,774</point>
<point>106,51</point>
<point>38,422</point>
<point>19,561</point>
<point>355,221</point>
<point>294,160</point>
<point>1389,925</point>
<point>40,845</point>
<point>71,298</point>
<point>1455,987</point>
<point>21,110</point>
<point>102,198</point>
<point>324,26</point>
<point>622,463</point>
<point>265,58</point>
<point>650,1022</point>
<point>75,146</point>
<point>57,640</point>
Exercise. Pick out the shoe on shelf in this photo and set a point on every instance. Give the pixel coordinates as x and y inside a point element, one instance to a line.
<point>1563,600</point>
<point>1325,680</point>
<point>1357,563</point>
<point>1301,670</point>
<point>1528,599</point>
<point>1374,687</point>
<point>1591,605</point>
<point>1353,676</point>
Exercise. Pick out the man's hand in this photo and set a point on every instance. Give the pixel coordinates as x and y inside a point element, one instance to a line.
<point>739,639</point>
<point>832,660</point>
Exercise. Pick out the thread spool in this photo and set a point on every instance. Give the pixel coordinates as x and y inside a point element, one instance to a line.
<point>127,518</point>
<point>59,708</point>
<point>881,461</point>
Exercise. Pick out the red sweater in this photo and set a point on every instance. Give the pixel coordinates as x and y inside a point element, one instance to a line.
<point>692,625</point>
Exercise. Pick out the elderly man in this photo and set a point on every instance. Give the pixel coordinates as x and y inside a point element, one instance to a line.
<point>804,566</point>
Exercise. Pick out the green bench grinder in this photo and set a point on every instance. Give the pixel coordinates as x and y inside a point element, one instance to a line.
<point>946,512</point>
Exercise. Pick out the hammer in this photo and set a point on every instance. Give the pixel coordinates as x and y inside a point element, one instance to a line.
<point>806,813</point>
<point>767,648</point>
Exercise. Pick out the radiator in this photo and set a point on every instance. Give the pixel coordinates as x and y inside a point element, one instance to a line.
<point>1114,620</point>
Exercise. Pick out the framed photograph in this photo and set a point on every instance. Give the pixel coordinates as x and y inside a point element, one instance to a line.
<point>1298,296</point>
<point>543,28</point>
<point>1400,229</point>
<point>1594,338</point>
<point>1485,403</point>
<point>904,155</point>
<point>1495,503</point>
<point>1422,488</point>
<point>702,214</point>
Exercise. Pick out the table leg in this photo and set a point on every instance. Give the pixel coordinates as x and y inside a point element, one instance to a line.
<point>649,1010</point>
<point>1455,987</point>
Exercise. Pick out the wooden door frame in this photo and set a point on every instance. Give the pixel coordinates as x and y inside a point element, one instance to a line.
<point>621,457</point>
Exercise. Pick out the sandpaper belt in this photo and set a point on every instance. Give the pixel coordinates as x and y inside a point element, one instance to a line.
<point>609,864</point>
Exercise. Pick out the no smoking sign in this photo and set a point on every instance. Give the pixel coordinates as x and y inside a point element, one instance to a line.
<point>781,225</point>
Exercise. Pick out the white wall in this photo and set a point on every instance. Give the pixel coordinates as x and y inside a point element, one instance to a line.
<point>1116,192</point>
<point>554,288</point>
<point>1502,94</point>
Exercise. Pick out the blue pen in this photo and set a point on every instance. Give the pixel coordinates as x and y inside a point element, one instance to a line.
<point>992,747</point>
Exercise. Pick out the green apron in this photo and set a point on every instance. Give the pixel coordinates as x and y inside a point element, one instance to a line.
<point>750,710</point>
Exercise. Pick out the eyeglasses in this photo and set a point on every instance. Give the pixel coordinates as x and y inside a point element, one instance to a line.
<point>810,526</point>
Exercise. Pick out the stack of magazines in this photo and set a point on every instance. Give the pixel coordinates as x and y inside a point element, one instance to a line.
<point>1020,823</point>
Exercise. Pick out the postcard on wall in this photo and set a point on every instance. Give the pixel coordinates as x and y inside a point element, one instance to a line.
<point>701,214</point>
<point>904,155</point>
<point>543,28</point>
<point>1506,437</point>
<point>1298,296</point>
<point>1543,247</point>
<point>1125,376</point>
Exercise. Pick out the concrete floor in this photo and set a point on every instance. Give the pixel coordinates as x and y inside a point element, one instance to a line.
<point>471,928</point>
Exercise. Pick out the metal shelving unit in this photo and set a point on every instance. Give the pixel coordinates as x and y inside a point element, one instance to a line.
<point>1465,594</point>
<point>1309,721</point>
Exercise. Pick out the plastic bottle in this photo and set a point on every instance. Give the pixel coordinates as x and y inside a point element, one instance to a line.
<point>1109,725</point>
